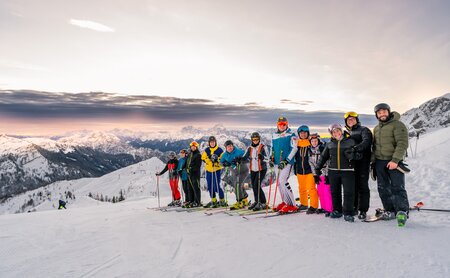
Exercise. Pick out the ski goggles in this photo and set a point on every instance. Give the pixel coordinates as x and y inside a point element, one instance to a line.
<point>314,136</point>
<point>195,144</point>
<point>282,124</point>
<point>255,138</point>
<point>351,114</point>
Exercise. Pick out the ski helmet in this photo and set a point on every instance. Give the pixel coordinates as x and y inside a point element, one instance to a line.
<point>282,121</point>
<point>171,155</point>
<point>382,106</point>
<point>303,128</point>
<point>193,143</point>
<point>315,136</point>
<point>333,127</point>
<point>212,138</point>
<point>228,142</point>
<point>255,135</point>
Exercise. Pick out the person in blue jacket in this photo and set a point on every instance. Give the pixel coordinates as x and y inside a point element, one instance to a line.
<point>284,147</point>
<point>232,159</point>
<point>181,170</point>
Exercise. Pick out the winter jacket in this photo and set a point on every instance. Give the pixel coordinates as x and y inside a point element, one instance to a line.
<point>363,138</point>
<point>302,164</point>
<point>284,146</point>
<point>230,157</point>
<point>171,166</point>
<point>194,163</point>
<point>316,153</point>
<point>340,153</point>
<point>182,168</point>
<point>390,139</point>
<point>258,155</point>
<point>206,157</point>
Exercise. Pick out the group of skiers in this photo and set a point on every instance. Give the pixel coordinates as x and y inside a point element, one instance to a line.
<point>323,170</point>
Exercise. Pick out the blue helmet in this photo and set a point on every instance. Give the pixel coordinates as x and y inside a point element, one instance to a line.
<point>304,128</point>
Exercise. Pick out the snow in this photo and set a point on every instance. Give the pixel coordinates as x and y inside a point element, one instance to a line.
<point>95,239</point>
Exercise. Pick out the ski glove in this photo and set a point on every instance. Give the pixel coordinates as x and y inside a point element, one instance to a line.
<point>214,158</point>
<point>271,164</point>
<point>316,179</point>
<point>327,180</point>
<point>226,164</point>
<point>237,160</point>
<point>158,174</point>
<point>282,164</point>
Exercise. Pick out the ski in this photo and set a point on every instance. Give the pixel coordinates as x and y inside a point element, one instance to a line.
<point>269,214</point>
<point>216,210</point>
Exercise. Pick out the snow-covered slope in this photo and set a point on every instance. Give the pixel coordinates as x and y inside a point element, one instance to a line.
<point>432,114</point>
<point>126,239</point>
<point>134,181</point>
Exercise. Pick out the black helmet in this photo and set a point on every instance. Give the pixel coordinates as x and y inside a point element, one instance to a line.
<point>212,138</point>
<point>382,106</point>
<point>255,135</point>
<point>228,142</point>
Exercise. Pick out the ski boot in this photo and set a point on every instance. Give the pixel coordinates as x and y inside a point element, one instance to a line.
<point>401,218</point>
<point>222,203</point>
<point>388,215</point>
<point>186,205</point>
<point>252,206</point>
<point>336,214</point>
<point>362,215</point>
<point>311,210</point>
<point>236,206</point>
<point>211,204</point>
<point>302,207</point>
<point>177,203</point>
<point>349,218</point>
<point>244,202</point>
<point>288,209</point>
<point>279,207</point>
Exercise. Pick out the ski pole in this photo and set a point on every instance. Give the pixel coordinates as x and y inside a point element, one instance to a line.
<point>277,180</point>
<point>270,187</point>
<point>419,206</point>
<point>157,190</point>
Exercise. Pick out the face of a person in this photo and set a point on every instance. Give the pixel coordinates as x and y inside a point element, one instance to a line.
<point>212,144</point>
<point>315,142</point>
<point>193,148</point>
<point>351,121</point>
<point>303,135</point>
<point>230,148</point>
<point>282,127</point>
<point>255,141</point>
<point>337,133</point>
<point>183,154</point>
<point>383,114</point>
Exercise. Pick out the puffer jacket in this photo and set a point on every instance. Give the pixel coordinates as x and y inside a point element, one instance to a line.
<point>363,139</point>
<point>206,157</point>
<point>390,139</point>
<point>341,155</point>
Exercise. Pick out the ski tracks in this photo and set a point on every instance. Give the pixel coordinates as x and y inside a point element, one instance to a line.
<point>104,265</point>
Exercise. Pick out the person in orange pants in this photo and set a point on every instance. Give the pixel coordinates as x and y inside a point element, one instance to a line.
<point>171,166</point>
<point>304,171</point>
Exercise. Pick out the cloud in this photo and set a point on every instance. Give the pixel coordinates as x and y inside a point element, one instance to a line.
<point>92,25</point>
<point>27,104</point>
<point>302,102</point>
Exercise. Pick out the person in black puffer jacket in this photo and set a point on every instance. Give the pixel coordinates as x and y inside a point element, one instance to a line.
<point>342,154</point>
<point>363,139</point>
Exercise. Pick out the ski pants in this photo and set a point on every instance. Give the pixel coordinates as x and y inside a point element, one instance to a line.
<point>285,189</point>
<point>237,177</point>
<point>391,187</point>
<point>257,178</point>
<point>338,180</point>
<point>194,194</point>
<point>174,187</point>
<point>307,187</point>
<point>213,182</point>
<point>362,191</point>
<point>185,188</point>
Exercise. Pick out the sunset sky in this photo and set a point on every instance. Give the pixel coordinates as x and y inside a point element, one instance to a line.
<point>236,62</point>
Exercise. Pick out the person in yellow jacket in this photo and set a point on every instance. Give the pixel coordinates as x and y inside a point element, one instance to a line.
<point>211,156</point>
<point>304,171</point>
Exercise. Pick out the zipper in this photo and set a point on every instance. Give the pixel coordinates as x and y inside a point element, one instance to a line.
<point>339,155</point>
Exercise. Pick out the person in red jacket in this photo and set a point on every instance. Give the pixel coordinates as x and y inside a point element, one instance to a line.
<point>171,166</point>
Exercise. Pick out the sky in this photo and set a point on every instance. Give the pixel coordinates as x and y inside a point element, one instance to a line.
<point>297,58</point>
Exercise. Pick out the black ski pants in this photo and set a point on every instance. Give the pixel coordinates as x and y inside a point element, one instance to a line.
<point>194,194</point>
<point>362,191</point>
<point>257,178</point>
<point>342,180</point>
<point>391,187</point>
<point>185,189</point>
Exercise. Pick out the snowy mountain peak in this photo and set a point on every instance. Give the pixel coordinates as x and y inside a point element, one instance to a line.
<point>432,114</point>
